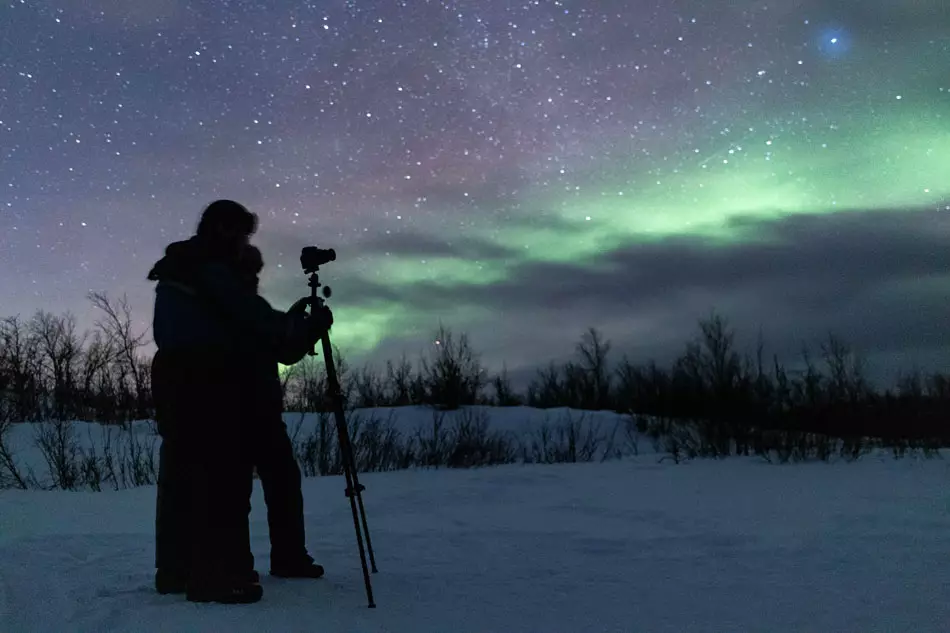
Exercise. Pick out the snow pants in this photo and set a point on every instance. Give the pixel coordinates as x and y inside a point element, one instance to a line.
<point>204,472</point>
<point>272,453</point>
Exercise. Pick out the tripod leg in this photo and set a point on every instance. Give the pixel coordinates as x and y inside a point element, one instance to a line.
<point>353,488</point>
<point>357,490</point>
<point>359,540</point>
<point>369,544</point>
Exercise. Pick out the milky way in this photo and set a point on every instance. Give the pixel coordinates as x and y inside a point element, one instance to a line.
<point>468,160</point>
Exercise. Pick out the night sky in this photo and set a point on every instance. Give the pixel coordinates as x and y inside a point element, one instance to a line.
<point>517,170</point>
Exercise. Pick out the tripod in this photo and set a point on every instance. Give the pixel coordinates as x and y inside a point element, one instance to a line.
<point>354,488</point>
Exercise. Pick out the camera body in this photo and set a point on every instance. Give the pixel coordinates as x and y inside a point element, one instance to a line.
<point>312,258</point>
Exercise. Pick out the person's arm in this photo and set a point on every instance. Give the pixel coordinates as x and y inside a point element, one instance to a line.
<point>250,311</point>
<point>295,344</point>
<point>303,332</point>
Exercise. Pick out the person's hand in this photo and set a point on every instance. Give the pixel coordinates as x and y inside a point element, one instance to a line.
<point>320,322</point>
<point>300,306</point>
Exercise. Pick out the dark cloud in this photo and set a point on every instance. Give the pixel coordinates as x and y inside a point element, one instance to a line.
<point>878,279</point>
<point>813,259</point>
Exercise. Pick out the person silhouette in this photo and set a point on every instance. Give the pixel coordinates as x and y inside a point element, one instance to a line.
<point>202,314</point>
<point>270,448</point>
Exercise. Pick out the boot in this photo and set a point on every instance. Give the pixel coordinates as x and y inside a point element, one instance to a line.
<point>224,590</point>
<point>170,581</point>
<point>175,582</point>
<point>296,568</point>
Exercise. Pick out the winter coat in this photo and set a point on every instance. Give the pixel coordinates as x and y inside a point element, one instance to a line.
<point>200,303</point>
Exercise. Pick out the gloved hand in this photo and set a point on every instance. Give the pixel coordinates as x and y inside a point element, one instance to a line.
<point>319,322</point>
<point>300,306</point>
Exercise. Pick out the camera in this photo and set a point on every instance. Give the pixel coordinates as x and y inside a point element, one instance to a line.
<point>311,258</point>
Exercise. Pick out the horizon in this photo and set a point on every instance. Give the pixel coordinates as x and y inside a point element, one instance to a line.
<point>521,378</point>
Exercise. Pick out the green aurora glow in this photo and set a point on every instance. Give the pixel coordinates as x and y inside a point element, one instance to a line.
<point>861,165</point>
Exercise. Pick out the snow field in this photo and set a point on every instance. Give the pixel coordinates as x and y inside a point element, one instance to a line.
<point>631,545</point>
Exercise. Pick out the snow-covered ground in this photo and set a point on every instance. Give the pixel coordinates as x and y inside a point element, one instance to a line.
<point>632,546</point>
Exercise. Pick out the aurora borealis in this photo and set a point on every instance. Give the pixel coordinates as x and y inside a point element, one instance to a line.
<point>516,170</point>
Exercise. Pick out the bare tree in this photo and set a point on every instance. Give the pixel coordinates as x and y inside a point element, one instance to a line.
<point>453,372</point>
<point>369,388</point>
<point>505,395</point>
<point>11,474</point>
<point>94,369</point>
<point>401,379</point>
<point>593,351</point>
<point>846,370</point>
<point>59,348</point>
<point>116,326</point>
<point>547,389</point>
<point>307,385</point>
<point>19,362</point>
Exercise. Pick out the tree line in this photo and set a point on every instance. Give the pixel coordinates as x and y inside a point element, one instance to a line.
<point>49,370</point>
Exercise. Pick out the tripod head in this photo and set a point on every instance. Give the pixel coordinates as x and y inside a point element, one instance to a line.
<point>311,258</point>
<point>314,283</point>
